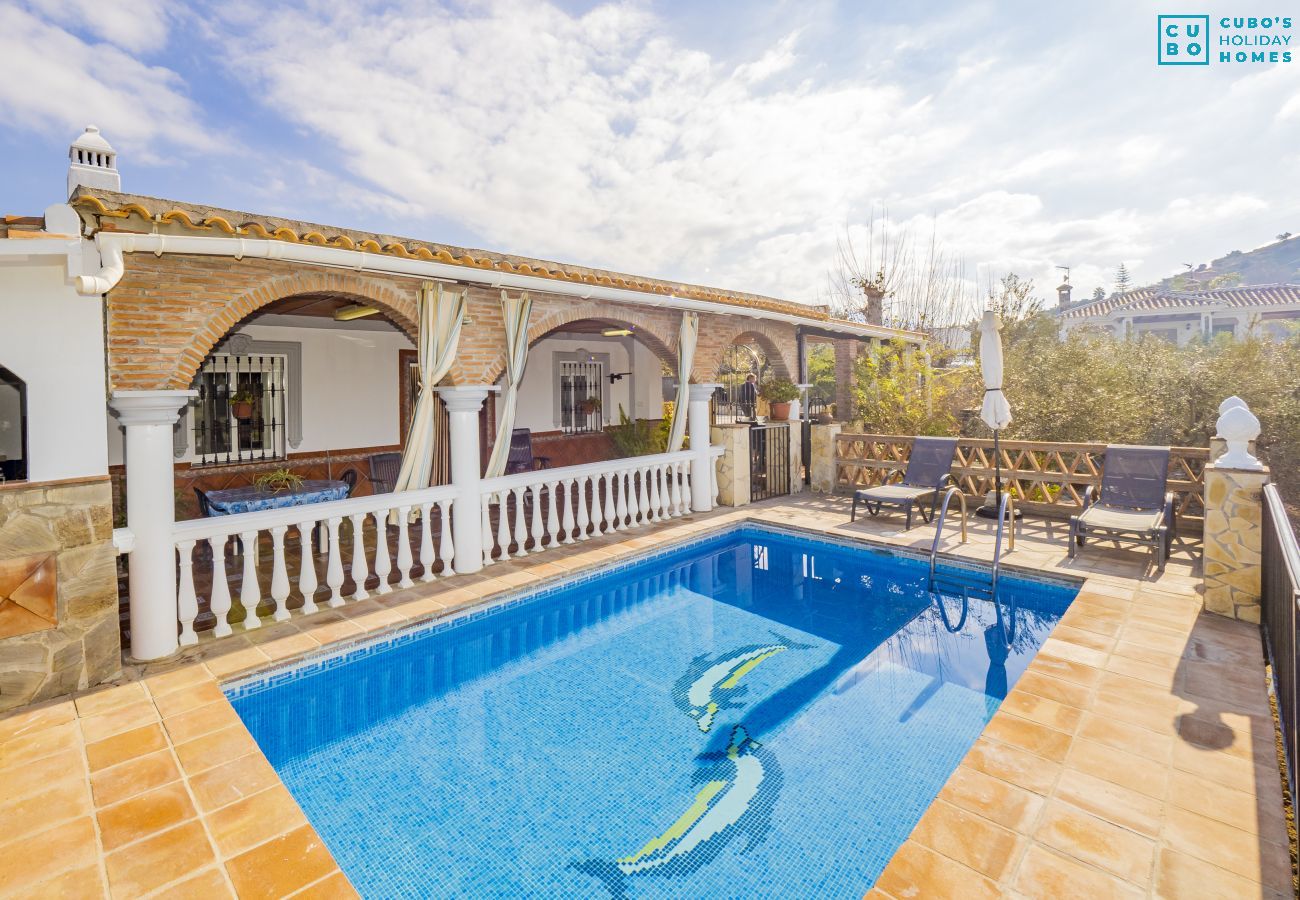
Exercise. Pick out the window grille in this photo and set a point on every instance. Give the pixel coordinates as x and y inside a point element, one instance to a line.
<point>581,384</point>
<point>239,413</point>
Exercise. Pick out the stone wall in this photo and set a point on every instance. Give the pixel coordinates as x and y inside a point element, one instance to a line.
<point>1233,537</point>
<point>58,590</point>
<point>733,465</point>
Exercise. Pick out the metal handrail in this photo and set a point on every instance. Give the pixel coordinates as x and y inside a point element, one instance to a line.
<point>1006,508</point>
<point>938,531</point>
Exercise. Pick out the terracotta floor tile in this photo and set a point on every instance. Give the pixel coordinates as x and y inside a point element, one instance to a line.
<point>1083,638</point>
<point>107,699</point>
<point>123,718</point>
<point>64,800</point>
<point>1161,719</point>
<point>1096,842</point>
<point>291,645</point>
<point>1161,659</point>
<point>186,676</point>
<point>254,820</point>
<point>1065,670</point>
<point>239,661</point>
<point>189,698</point>
<point>163,858</point>
<point>1123,736</point>
<point>994,799</point>
<point>210,884</point>
<point>30,747</point>
<point>144,814</point>
<point>1209,735</point>
<point>1042,711</point>
<point>133,777</point>
<point>1052,876</point>
<point>1239,809</point>
<point>34,859</point>
<point>1107,800</point>
<point>331,628</point>
<point>127,745</point>
<point>1133,772</point>
<point>967,838</point>
<point>1222,768</point>
<point>213,749</point>
<point>1055,689</point>
<point>1017,767</point>
<point>31,719</point>
<point>331,887</point>
<point>1183,877</point>
<point>83,884</point>
<point>1025,735</point>
<point>1159,677</point>
<point>231,781</point>
<point>1237,851</point>
<point>281,866</point>
<point>45,773</point>
<point>917,871</point>
<point>200,721</point>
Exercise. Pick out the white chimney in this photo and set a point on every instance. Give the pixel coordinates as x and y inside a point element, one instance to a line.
<point>92,162</point>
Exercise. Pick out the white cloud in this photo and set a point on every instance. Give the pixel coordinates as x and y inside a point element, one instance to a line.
<point>138,25</point>
<point>56,83</point>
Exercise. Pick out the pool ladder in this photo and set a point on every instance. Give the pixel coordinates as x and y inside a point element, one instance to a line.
<point>1006,512</point>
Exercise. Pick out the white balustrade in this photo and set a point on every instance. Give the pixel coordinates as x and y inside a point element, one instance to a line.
<point>519,514</point>
<point>581,502</point>
<point>206,553</point>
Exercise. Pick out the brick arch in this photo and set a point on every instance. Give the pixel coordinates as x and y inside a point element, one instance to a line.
<point>776,340</point>
<point>400,307</point>
<point>647,328</point>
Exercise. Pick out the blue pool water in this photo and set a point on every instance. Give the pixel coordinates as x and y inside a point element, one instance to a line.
<point>754,714</point>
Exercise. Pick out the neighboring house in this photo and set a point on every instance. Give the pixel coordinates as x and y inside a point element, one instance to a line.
<point>1267,310</point>
<point>144,336</point>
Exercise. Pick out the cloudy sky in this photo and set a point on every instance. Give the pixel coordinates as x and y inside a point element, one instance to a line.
<point>728,143</point>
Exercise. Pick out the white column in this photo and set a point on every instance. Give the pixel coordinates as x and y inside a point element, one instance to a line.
<point>697,424</point>
<point>463,405</point>
<point>148,417</point>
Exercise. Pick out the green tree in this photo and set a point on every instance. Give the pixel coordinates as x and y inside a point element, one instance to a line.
<point>1123,281</point>
<point>897,390</point>
<point>1099,293</point>
<point>1226,280</point>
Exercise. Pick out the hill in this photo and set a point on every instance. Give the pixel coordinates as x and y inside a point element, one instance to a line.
<point>1275,263</point>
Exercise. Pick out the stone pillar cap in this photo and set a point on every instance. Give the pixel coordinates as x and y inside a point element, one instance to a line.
<point>150,407</point>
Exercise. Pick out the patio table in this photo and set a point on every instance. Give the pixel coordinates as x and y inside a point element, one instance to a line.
<point>250,498</point>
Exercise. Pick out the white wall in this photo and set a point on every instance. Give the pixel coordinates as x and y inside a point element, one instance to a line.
<point>349,387</point>
<point>53,339</point>
<point>536,407</point>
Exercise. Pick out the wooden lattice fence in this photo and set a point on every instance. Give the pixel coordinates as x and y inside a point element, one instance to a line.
<point>1048,479</point>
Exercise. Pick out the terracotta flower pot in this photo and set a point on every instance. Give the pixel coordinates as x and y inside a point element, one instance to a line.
<point>780,411</point>
<point>242,409</point>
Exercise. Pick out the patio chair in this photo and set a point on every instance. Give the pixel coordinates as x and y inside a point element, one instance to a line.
<point>205,510</point>
<point>1133,505</point>
<point>521,458</point>
<point>927,472</point>
<point>350,479</point>
<point>383,471</point>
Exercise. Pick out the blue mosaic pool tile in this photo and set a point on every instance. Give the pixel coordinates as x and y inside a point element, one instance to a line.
<point>754,713</point>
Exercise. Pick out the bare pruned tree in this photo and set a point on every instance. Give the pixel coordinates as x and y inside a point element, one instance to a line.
<point>890,277</point>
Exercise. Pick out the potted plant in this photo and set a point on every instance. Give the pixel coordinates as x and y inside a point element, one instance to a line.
<point>779,393</point>
<point>241,404</point>
<point>589,405</point>
<point>278,480</point>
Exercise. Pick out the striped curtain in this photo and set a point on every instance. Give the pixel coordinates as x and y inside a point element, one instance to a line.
<point>686,340</point>
<point>441,318</point>
<point>515,312</point>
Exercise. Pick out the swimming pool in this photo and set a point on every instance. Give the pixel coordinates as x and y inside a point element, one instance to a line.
<point>754,713</point>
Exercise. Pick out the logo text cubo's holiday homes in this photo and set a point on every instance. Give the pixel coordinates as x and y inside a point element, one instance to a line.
<point>1194,40</point>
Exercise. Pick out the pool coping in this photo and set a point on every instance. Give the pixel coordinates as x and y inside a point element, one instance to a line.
<point>1125,684</point>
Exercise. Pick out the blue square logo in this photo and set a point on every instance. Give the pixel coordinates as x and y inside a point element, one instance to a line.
<point>1183,40</point>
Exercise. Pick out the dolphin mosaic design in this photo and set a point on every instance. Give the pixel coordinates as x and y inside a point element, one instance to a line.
<point>737,795</point>
<point>712,685</point>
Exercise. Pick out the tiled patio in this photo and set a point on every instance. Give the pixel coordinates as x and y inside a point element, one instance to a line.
<point>1134,757</point>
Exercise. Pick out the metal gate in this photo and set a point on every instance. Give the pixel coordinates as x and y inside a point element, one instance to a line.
<point>769,461</point>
